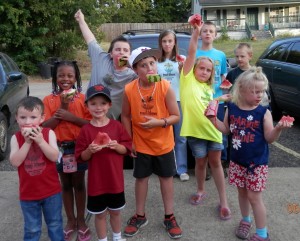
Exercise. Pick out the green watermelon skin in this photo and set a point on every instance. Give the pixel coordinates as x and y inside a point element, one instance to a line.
<point>153,78</point>
<point>122,62</point>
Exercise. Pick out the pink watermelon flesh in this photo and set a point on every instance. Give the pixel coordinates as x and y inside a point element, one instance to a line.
<point>195,19</point>
<point>102,139</point>
<point>179,58</point>
<point>288,119</point>
<point>225,84</point>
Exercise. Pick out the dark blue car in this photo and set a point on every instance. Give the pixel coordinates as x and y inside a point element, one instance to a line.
<point>13,87</point>
<point>281,64</point>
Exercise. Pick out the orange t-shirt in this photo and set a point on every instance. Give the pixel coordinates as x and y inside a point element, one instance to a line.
<point>155,141</point>
<point>65,130</point>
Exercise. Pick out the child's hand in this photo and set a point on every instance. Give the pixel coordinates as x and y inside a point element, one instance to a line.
<point>151,122</point>
<point>93,148</point>
<point>36,134</point>
<point>79,16</point>
<point>63,114</point>
<point>226,97</point>
<point>113,145</point>
<point>26,134</point>
<point>285,122</point>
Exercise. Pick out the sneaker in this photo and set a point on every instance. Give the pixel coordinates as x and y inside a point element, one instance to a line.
<point>255,237</point>
<point>184,177</point>
<point>243,230</point>
<point>174,231</point>
<point>134,224</point>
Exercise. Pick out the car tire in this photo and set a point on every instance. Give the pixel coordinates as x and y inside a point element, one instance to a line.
<point>276,112</point>
<point>3,136</point>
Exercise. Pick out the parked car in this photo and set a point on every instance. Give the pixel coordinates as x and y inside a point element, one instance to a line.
<point>13,87</point>
<point>281,64</point>
<point>149,38</point>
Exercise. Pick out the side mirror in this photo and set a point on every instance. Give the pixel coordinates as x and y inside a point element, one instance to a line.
<point>13,76</point>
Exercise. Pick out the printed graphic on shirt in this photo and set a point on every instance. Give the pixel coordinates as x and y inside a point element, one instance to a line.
<point>217,71</point>
<point>169,72</point>
<point>239,127</point>
<point>108,79</point>
<point>147,105</point>
<point>34,163</point>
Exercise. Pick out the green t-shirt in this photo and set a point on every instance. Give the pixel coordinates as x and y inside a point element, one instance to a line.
<point>194,98</point>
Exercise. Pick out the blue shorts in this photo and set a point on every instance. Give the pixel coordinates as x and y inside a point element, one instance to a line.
<point>201,147</point>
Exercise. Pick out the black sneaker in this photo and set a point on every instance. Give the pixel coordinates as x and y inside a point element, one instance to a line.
<point>134,224</point>
<point>174,231</point>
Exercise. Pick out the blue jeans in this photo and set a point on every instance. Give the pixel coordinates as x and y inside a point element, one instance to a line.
<point>220,115</point>
<point>51,207</point>
<point>180,146</point>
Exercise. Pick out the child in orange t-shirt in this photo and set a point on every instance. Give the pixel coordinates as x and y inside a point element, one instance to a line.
<point>149,111</point>
<point>65,113</point>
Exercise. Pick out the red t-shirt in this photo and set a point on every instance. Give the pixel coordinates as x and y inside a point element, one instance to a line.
<point>105,168</point>
<point>37,174</point>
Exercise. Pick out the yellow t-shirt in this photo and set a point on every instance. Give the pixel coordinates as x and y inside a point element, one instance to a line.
<point>155,141</point>
<point>194,98</point>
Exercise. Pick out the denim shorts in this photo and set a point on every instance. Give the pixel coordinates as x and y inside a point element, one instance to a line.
<point>201,147</point>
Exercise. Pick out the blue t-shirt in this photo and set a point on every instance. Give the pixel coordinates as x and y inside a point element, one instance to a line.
<point>249,147</point>
<point>219,59</point>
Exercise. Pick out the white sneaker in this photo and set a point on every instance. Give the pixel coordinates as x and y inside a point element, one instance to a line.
<point>184,177</point>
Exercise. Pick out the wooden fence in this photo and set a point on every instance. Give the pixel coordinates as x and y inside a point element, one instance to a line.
<point>111,30</point>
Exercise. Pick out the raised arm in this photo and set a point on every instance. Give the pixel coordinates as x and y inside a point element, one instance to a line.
<point>191,57</point>
<point>85,30</point>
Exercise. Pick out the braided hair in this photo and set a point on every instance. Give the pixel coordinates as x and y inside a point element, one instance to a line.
<point>57,64</point>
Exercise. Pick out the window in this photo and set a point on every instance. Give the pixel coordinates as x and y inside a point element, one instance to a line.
<point>277,52</point>
<point>294,55</point>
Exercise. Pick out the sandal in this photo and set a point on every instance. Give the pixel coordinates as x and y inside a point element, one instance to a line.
<point>84,235</point>
<point>68,234</point>
<point>197,198</point>
<point>224,213</point>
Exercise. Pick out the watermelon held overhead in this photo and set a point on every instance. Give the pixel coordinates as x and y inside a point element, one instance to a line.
<point>102,139</point>
<point>225,84</point>
<point>289,119</point>
<point>195,19</point>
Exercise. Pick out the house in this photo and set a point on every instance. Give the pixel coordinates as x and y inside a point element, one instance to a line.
<point>277,16</point>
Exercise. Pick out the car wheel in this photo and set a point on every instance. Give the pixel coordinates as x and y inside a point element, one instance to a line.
<point>3,136</point>
<point>276,112</point>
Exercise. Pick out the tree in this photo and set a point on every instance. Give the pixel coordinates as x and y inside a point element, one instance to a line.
<point>33,30</point>
<point>169,11</point>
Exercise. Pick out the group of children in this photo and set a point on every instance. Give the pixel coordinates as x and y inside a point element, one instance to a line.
<point>58,135</point>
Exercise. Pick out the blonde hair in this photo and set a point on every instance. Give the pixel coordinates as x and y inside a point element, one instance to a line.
<point>247,80</point>
<point>211,79</point>
<point>244,45</point>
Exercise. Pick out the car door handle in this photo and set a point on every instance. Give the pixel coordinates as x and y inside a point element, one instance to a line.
<point>277,68</point>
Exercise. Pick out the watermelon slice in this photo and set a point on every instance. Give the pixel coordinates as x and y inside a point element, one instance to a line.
<point>179,58</point>
<point>153,78</point>
<point>195,19</point>
<point>27,128</point>
<point>226,85</point>
<point>288,119</point>
<point>102,139</point>
<point>69,94</point>
<point>122,61</point>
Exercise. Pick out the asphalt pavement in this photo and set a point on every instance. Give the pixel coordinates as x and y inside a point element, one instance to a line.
<point>282,200</point>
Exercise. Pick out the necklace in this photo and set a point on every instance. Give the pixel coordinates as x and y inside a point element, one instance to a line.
<point>150,97</point>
